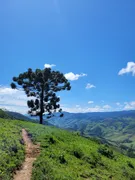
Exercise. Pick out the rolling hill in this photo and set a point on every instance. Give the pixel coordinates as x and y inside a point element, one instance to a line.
<point>63,155</point>
<point>116,127</point>
<point>13,115</point>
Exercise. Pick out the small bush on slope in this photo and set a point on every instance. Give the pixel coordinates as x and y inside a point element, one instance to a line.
<point>11,149</point>
<point>65,156</point>
<point>104,150</point>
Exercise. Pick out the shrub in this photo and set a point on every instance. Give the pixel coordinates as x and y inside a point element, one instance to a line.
<point>104,150</point>
<point>52,140</point>
<point>62,159</point>
<point>78,153</point>
<point>130,165</point>
<point>94,159</point>
<point>77,133</point>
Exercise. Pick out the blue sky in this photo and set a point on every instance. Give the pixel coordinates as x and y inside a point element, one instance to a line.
<point>92,40</point>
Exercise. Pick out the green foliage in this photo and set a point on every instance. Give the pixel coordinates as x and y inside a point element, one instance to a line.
<point>116,128</point>
<point>63,155</point>
<point>130,152</point>
<point>43,85</point>
<point>66,155</point>
<point>130,165</point>
<point>62,159</point>
<point>4,115</point>
<point>94,159</point>
<point>77,152</point>
<point>11,149</point>
<point>106,151</point>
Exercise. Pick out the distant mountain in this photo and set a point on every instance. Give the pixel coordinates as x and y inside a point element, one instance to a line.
<point>12,115</point>
<point>71,120</point>
<point>36,119</point>
<point>115,127</point>
<point>17,115</point>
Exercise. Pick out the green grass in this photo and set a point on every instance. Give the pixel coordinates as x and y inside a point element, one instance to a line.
<point>3,114</point>
<point>11,148</point>
<point>68,156</point>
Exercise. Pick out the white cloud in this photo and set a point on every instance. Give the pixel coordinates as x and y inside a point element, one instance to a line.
<point>90,102</point>
<point>16,100</point>
<point>118,104</point>
<point>82,110</point>
<point>20,109</point>
<point>13,100</point>
<point>106,107</point>
<point>49,65</point>
<point>129,69</point>
<point>79,109</point>
<point>129,105</point>
<point>95,109</point>
<point>132,103</point>
<point>72,77</point>
<point>7,91</point>
<point>89,86</point>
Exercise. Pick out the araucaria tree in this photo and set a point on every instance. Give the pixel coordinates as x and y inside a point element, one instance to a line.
<point>43,86</point>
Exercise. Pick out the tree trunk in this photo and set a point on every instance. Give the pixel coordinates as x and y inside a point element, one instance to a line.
<point>41,119</point>
<point>41,106</point>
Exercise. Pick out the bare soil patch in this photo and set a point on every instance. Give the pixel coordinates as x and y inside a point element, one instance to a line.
<point>31,153</point>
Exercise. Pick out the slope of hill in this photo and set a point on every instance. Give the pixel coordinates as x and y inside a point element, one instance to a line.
<point>63,155</point>
<point>17,115</point>
<point>12,115</point>
<point>11,148</point>
<point>116,127</point>
<point>3,114</point>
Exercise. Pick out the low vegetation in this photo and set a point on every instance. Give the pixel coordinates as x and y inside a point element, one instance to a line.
<point>117,128</point>
<point>64,155</point>
<point>11,148</point>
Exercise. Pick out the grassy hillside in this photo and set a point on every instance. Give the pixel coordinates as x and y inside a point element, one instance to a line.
<point>116,127</point>
<point>3,114</point>
<point>11,148</point>
<point>64,155</point>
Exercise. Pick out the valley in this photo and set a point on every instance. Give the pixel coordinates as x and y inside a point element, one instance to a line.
<point>117,128</point>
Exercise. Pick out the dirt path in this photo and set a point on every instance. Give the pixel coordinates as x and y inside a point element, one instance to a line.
<point>31,152</point>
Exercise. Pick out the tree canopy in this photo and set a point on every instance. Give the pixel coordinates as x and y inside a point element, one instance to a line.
<point>43,86</point>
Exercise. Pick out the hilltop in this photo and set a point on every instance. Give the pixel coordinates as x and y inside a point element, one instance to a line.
<point>64,155</point>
